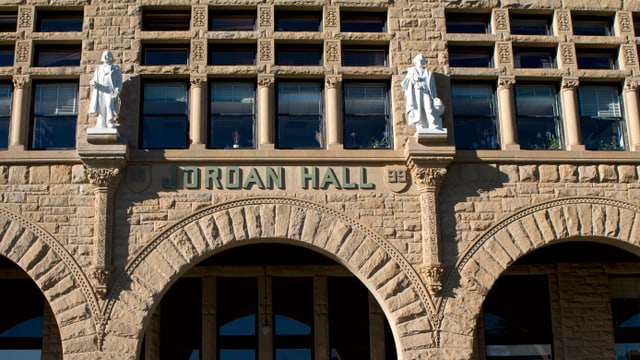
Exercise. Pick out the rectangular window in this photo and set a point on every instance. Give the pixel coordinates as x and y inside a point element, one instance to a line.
<point>364,56</point>
<point>298,20</point>
<point>366,116</point>
<point>470,57</point>
<point>232,119</point>
<point>165,54</point>
<point>298,55</point>
<point>530,24</point>
<point>55,114</point>
<point>357,21</point>
<point>8,21</point>
<point>596,59</point>
<point>517,319</point>
<point>537,117</point>
<point>293,318</point>
<point>533,58</point>
<point>228,20</point>
<point>6,55</point>
<point>232,54</point>
<point>59,21</point>
<point>625,308</point>
<point>5,114</point>
<point>165,120</point>
<point>166,20</point>
<point>237,318</point>
<point>474,116</point>
<point>592,25</point>
<point>601,117</point>
<point>57,55</point>
<point>467,23</point>
<point>300,110</point>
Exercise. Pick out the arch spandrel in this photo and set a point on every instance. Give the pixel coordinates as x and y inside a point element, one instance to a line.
<point>63,283</point>
<point>381,267</point>
<point>608,221</point>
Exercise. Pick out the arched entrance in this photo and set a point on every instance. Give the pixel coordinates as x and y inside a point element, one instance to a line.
<point>28,330</point>
<point>567,300</point>
<point>268,301</point>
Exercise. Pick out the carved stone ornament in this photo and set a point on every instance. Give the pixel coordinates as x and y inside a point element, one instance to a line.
<point>198,50</point>
<point>266,80</point>
<point>198,81</point>
<point>21,82</point>
<point>266,18</point>
<point>430,177</point>
<point>199,16</point>
<point>434,275</point>
<point>332,82</point>
<point>564,22</point>
<point>22,51</point>
<point>504,53</point>
<point>570,83</point>
<point>501,19</point>
<point>630,57</point>
<point>25,18</point>
<point>631,84</point>
<point>331,20</point>
<point>567,54</point>
<point>332,51</point>
<point>103,177</point>
<point>625,21</point>
<point>265,51</point>
<point>506,81</point>
<point>101,278</point>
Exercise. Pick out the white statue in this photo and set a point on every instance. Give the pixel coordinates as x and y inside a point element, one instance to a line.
<point>423,107</point>
<point>106,84</point>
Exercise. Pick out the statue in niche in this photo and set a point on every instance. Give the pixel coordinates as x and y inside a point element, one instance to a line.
<point>105,95</point>
<point>423,107</point>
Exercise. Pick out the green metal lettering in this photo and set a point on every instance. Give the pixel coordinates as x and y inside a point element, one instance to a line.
<point>171,182</point>
<point>275,176</point>
<point>346,177</point>
<point>363,180</point>
<point>330,178</point>
<point>253,178</point>
<point>233,179</point>
<point>212,177</point>
<point>309,175</point>
<point>191,177</point>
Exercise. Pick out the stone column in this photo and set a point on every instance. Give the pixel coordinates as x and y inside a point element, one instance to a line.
<point>506,106</point>
<point>265,112</point>
<point>105,179</point>
<point>428,179</point>
<point>633,112</point>
<point>571,116</point>
<point>333,111</point>
<point>19,122</point>
<point>197,119</point>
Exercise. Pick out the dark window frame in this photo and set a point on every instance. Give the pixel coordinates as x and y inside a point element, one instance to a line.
<point>365,55</point>
<point>166,19</point>
<point>547,137</point>
<point>227,17</point>
<point>289,54</point>
<point>244,134</point>
<point>487,133</point>
<point>289,120</point>
<point>230,53</point>
<point>178,141</point>
<point>58,123</point>
<point>625,306</point>
<point>298,21</point>
<point>360,128</point>
<point>60,20</point>
<point>6,88</point>
<point>602,131</point>
<point>592,25</point>
<point>8,21</point>
<point>597,59</point>
<point>525,58</point>
<point>530,24</point>
<point>59,55</point>
<point>7,55</point>
<point>471,56</point>
<point>468,23</point>
<point>363,21</point>
<point>152,54</point>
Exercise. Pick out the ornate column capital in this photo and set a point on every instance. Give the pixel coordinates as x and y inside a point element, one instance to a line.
<point>332,81</point>
<point>570,83</point>
<point>198,81</point>
<point>103,176</point>
<point>21,82</point>
<point>434,275</point>
<point>266,80</point>
<point>631,84</point>
<point>431,177</point>
<point>505,82</point>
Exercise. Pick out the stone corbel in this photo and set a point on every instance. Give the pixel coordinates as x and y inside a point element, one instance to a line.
<point>104,170</point>
<point>428,171</point>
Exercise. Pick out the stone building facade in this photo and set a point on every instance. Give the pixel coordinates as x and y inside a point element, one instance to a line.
<point>290,235</point>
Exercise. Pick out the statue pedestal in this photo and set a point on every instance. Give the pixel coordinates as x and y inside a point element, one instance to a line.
<point>428,135</point>
<point>102,136</point>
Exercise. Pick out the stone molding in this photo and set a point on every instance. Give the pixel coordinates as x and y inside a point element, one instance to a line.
<point>364,252</point>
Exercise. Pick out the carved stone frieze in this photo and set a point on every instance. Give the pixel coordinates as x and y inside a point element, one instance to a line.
<point>624,19</point>
<point>564,20</point>
<point>504,52</point>
<point>23,48</point>
<point>198,50</point>
<point>631,84</point>
<point>630,57</point>
<point>331,18</point>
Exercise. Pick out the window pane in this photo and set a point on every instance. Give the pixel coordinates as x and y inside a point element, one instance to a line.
<point>298,21</point>
<point>21,323</point>
<point>293,317</point>
<point>600,118</point>
<point>181,321</point>
<point>237,319</point>
<point>517,319</point>
<point>8,21</point>
<point>59,21</point>
<point>534,59</point>
<point>165,55</point>
<point>348,320</point>
<point>58,55</point>
<point>590,26</point>
<point>220,54</point>
<point>54,116</point>
<point>6,55</point>
<point>362,22</point>
<point>300,115</point>
<point>232,115</point>
<point>596,60</point>
<point>474,119</point>
<point>470,58</point>
<point>232,20</point>
<point>537,117</point>
<point>165,116</point>
<point>299,55</point>
<point>166,20</point>
<point>366,116</point>
<point>5,114</point>
<point>625,308</point>
<point>530,24</point>
<point>467,23</point>
<point>363,56</point>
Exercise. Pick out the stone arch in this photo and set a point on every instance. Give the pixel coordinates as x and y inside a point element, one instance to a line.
<point>59,277</point>
<point>381,267</point>
<point>611,221</point>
